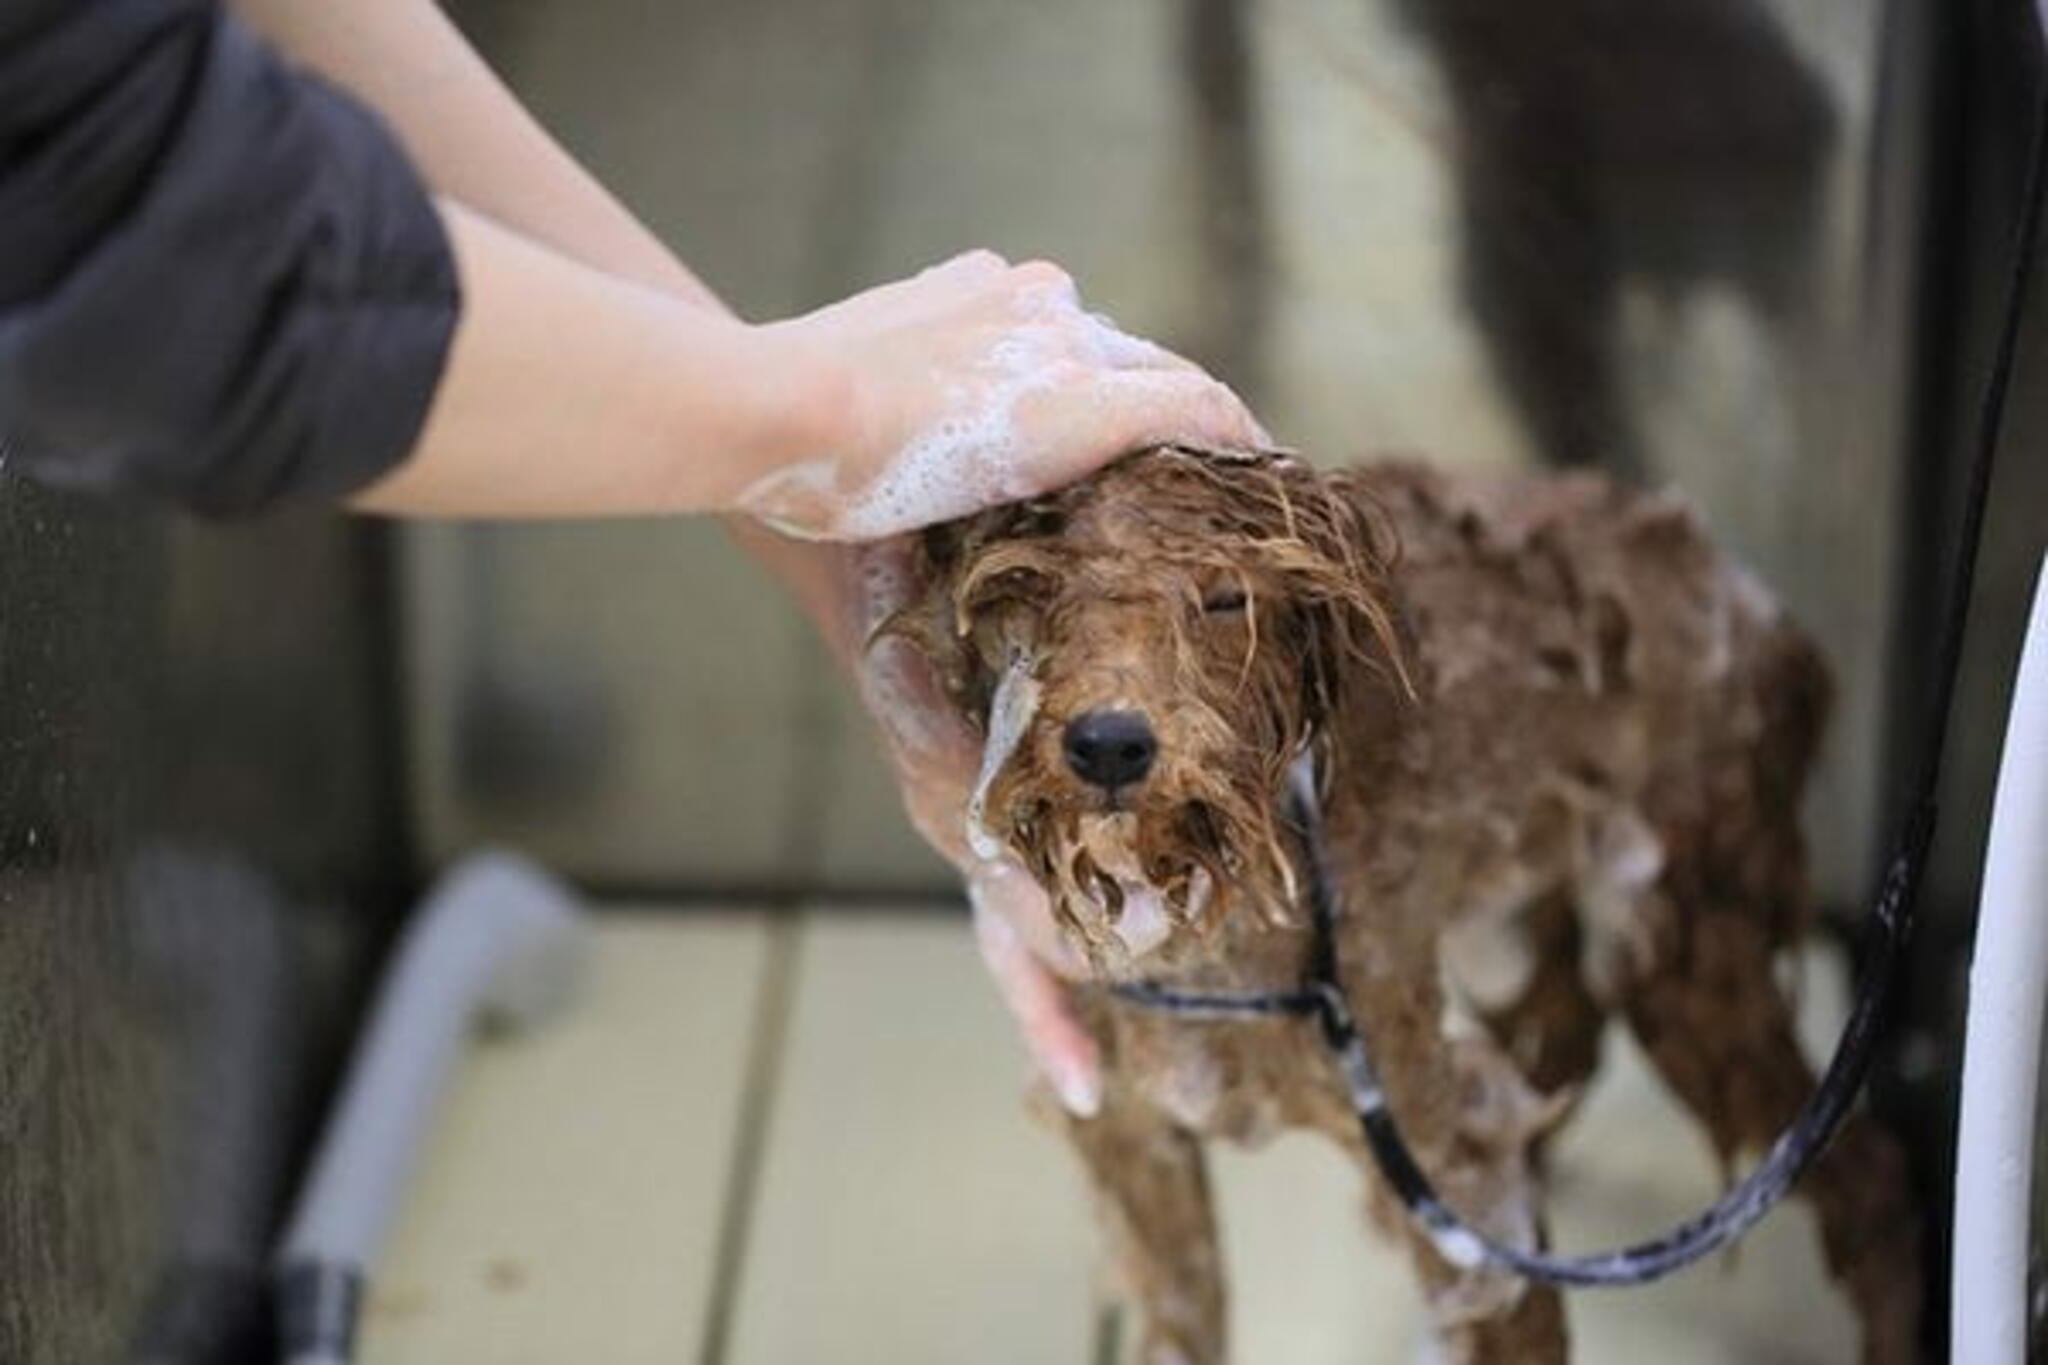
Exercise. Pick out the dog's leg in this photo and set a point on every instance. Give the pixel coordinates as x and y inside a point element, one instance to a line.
<point>1720,1032</point>
<point>1474,1123</point>
<point>1488,1172</point>
<point>1552,1029</point>
<point>1152,1196</point>
<point>1530,1333</point>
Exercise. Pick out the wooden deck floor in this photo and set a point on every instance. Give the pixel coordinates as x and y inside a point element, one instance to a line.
<point>798,1141</point>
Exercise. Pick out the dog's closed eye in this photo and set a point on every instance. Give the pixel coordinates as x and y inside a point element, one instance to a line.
<point>1223,601</point>
<point>1015,576</point>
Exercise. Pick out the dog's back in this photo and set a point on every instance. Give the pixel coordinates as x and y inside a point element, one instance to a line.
<point>1584,586</point>
<point>1603,768</point>
<point>1583,642</point>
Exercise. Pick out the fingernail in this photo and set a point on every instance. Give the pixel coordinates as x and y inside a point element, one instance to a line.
<point>983,881</point>
<point>1079,1091</point>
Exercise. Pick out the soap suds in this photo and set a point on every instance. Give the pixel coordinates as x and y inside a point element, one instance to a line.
<point>1143,925</point>
<point>1110,345</point>
<point>1458,1246</point>
<point>1009,716</point>
<point>968,458</point>
<point>972,453</point>
<point>895,679</point>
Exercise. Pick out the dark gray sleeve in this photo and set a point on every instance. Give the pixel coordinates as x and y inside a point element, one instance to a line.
<point>221,282</point>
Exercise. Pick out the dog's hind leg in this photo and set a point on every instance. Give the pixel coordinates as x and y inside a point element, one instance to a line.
<point>1152,1197</point>
<point>1720,1032</point>
<point>1552,1028</point>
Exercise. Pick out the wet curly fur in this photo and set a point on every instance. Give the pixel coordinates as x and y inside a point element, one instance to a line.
<point>1561,744</point>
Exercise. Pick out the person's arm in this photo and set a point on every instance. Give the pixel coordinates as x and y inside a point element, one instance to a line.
<point>474,141</point>
<point>471,139</point>
<point>569,391</point>
<point>222,283</point>
<point>1107,393</point>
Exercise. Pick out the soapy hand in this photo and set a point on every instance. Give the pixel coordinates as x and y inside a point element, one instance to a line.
<point>973,384</point>
<point>936,756</point>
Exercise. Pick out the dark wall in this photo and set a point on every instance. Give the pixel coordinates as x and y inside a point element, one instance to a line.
<point>198,828</point>
<point>1982,114</point>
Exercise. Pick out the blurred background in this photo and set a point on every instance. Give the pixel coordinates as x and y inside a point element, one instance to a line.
<point>1747,248</point>
<point>1638,238</point>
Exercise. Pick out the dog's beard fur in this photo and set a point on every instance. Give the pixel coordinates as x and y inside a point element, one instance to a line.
<point>1239,603</point>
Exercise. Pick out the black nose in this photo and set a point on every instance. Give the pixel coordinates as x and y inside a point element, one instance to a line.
<point>1110,748</point>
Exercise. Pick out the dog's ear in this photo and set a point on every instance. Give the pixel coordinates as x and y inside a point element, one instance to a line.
<point>942,545</point>
<point>1343,585</point>
<point>925,621</point>
<point>969,572</point>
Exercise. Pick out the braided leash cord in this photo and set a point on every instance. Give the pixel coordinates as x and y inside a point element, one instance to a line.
<point>1886,933</point>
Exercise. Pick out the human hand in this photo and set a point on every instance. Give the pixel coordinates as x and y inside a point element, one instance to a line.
<point>936,754</point>
<point>973,384</point>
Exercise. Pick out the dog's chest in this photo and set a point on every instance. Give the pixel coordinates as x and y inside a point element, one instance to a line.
<point>1234,1079</point>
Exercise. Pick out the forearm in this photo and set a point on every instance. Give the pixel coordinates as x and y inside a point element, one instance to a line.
<point>568,391</point>
<point>469,136</point>
<point>474,141</point>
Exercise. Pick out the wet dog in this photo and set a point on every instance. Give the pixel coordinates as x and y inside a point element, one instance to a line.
<point>1560,743</point>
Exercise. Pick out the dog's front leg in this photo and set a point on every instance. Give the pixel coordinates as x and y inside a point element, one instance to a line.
<point>1482,1166</point>
<point>1152,1196</point>
<point>1474,1122</point>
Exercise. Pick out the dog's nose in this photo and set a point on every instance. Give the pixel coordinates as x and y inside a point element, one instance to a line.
<point>1110,749</point>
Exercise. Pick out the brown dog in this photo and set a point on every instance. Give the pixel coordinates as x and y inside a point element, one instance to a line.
<point>1560,743</point>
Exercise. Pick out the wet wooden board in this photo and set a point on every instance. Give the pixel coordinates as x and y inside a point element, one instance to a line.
<point>896,1203</point>
<point>908,1210</point>
<point>568,1206</point>
<point>1310,1282</point>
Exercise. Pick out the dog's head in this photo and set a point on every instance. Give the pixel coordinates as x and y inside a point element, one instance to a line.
<point>1146,653</point>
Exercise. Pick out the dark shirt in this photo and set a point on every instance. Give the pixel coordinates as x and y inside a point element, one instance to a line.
<point>221,282</point>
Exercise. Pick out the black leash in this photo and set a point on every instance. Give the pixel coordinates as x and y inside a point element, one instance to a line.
<point>1887,931</point>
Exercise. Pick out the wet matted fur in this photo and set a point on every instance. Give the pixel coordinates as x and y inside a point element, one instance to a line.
<point>1560,743</point>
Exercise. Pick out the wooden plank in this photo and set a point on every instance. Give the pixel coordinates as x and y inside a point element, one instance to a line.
<point>1311,1283</point>
<point>909,1211</point>
<point>568,1206</point>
